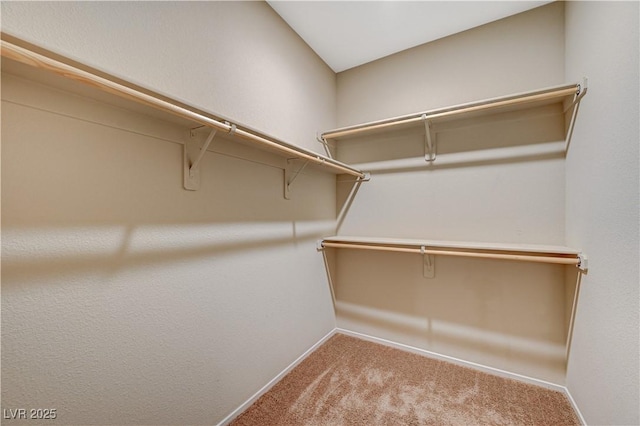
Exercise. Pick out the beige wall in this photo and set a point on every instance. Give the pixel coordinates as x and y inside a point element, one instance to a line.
<point>125,298</point>
<point>512,55</point>
<point>116,280</point>
<point>603,209</point>
<point>237,59</point>
<point>507,315</point>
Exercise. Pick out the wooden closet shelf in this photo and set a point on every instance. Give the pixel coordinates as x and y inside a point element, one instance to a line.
<point>507,251</point>
<point>567,96</point>
<point>42,59</point>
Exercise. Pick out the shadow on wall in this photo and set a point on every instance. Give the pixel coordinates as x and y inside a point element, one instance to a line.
<point>507,314</point>
<point>31,253</point>
<point>80,195</point>
<point>122,290</point>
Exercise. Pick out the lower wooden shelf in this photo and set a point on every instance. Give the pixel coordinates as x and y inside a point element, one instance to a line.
<point>508,251</point>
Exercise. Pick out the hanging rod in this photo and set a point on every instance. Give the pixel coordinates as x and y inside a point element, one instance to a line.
<point>527,253</point>
<point>523,257</point>
<point>39,60</point>
<point>495,103</point>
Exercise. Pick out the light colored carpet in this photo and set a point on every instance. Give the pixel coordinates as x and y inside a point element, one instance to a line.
<point>348,381</point>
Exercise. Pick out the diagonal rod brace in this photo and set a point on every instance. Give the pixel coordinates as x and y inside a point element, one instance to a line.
<point>297,173</point>
<point>429,154</point>
<point>196,163</point>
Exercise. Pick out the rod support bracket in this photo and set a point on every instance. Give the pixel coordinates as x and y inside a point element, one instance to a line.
<point>583,86</point>
<point>429,140</point>
<point>575,105</point>
<point>232,128</point>
<point>290,175</point>
<point>366,178</point>
<point>320,245</point>
<point>191,176</point>
<point>193,132</point>
<point>583,265</point>
<point>428,263</point>
<point>192,155</point>
<point>325,144</point>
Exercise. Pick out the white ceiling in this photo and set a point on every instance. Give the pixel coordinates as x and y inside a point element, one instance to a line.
<point>346,34</point>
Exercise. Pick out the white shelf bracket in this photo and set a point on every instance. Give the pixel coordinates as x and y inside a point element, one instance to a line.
<point>194,131</point>
<point>429,140</point>
<point>584,262</point>
<point>192,156</point>
<point>366,178</point>
<point>324,143</point>
<point>428,264</point>
<point>290,176</point>
<point>232,129</point>
<point>582,90</point>
<point>320,245</point>
<point>583,87</point>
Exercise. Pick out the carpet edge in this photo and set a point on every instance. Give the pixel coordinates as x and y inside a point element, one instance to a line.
<point>461,362</point>
<point>242,407</point>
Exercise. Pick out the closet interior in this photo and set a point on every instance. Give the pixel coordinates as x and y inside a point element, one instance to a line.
<point>155,247</point>
<point>557,105</point>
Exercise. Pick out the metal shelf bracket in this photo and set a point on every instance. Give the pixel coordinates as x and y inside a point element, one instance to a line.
<point>192,156</point>
<point>290,176</point>
<point>584,262</point>
<point>429,140</point>
<point>428,264</point>
<point>582,90</point>
<point>325,144</point>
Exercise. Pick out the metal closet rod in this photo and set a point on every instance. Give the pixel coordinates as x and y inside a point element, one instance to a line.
<point>461,253</point>
<point>38,60</point>
<point>559,92</point>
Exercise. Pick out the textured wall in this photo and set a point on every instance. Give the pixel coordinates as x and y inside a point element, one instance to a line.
<point>603,209</point>
<point>125,298</point>
<point>504,314</point>
<point>237,59</point>
<point>512,55</point>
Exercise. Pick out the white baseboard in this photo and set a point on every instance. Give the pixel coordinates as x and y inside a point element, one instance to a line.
<point>575,406</point>
<point>235,413</point>
<point>475,366</point>
<point>401,346</point>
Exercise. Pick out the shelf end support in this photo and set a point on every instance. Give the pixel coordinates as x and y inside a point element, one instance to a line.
<point>582,90</point>
<point>583,265</point>
<point>325,144</point>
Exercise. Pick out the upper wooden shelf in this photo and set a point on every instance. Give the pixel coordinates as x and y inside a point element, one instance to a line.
<point>34,56</point>
<point>567,96</point>
<point>555,105</point>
